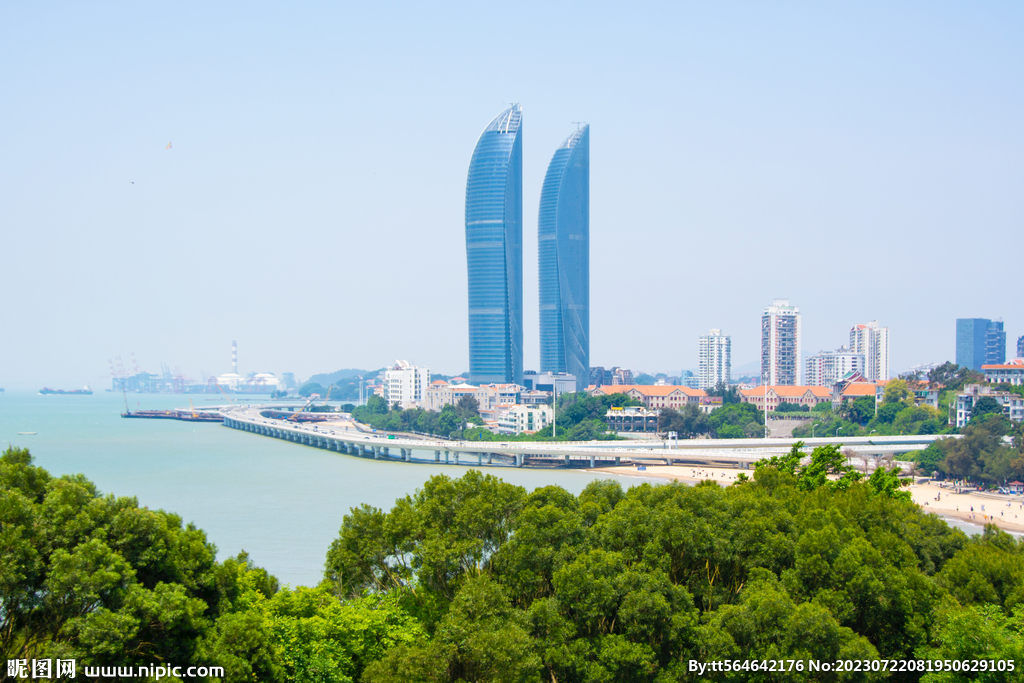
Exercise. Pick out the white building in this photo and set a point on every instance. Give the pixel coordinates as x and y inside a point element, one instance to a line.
<point>520,419</point>
<point>873,342</point>
<point>1011,372</point>
<point>441,393</point>
<point>714,363</point>
<point>560,382</point>
<point>780,344</point>
<point>825,368</point>
<point>1012,404</point>
<point>405,384</point>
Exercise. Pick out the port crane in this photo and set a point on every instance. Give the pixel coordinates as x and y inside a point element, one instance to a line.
<point>295,415</point>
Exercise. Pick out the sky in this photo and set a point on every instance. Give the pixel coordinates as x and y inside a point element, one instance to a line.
<point>863,160</point>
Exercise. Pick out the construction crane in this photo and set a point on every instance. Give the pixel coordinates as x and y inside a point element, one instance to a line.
<point>194,413</point>
<point>225,394</point>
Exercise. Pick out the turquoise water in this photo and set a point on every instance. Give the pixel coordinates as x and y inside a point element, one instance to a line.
<point>281,502</point>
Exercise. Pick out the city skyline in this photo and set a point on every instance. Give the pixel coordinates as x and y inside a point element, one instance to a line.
<point>563,248</point>
<point>326,147</point>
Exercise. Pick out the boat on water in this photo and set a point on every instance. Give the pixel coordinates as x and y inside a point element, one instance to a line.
<point>46,391</point>
<point>26,433</point>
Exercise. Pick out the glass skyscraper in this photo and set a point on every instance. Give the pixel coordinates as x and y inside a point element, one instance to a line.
<point>980,341</point>
<point>494,251</point>
<point>563,233</point>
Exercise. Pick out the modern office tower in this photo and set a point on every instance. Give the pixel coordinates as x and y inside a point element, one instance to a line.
<point>1020,346</point>
<point>995,343</point>
<point>872,341</point>
<point>825,368</point>
<point>563,255</point>
<point>980,341</point>
<point>714,362</point>
<point>494,251</point>
<point>780,344</point>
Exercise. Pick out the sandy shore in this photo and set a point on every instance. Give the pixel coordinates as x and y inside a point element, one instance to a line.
<point>1007,512</point>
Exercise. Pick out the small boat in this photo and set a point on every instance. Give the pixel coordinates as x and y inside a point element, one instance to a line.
<point>26,433</point>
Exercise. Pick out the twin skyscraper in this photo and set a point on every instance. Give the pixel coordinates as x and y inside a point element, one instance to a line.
<point>494,255</point>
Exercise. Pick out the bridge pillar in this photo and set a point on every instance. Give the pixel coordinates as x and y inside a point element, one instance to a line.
<point>592,462</point>
<point>479,458</point>
<point>519,459</point>
<point>490,458</point>
<point>446,457</point>
<point>386,450</point>
<point>617,459</point>
<point>376,452</point>
<point>567,461</point>
<point>437,456</point>
<point>456,457</point>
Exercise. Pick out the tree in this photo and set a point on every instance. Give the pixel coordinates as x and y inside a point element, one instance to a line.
<point>897,391</point>
<point>467,407</point>
<point>448,421</point>
<point>688,422</point>
<point>986,405</point>
<point>376,405</point>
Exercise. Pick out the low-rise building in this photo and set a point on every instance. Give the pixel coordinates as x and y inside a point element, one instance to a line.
<point>1012,404</point>
<point>770,397</point>
<point>632,419</point>
<point>1010,372</point>
<point>524,419</point>
<point>497,396</point>
<point>441,394</point>
<point>560,382</point>
<point>654,396</point>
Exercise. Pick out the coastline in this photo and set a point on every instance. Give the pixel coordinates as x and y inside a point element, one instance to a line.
<point>929,497</point>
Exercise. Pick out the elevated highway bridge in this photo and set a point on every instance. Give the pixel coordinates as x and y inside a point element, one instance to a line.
<point>740,453</point>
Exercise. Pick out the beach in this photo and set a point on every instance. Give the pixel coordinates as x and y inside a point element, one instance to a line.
<point>1006,512</point>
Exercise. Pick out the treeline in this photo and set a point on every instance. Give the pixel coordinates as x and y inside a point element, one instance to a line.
<point>449,422</point>
<point>731,421</point>
<point>989,452</point>
<point>475,579</point>
<point>580,418</point>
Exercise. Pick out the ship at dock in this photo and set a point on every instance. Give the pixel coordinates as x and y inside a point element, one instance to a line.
<point>183,415</point>
<point>46,391</point>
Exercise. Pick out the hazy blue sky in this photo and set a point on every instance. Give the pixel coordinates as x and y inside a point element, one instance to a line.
<point>865,160</point>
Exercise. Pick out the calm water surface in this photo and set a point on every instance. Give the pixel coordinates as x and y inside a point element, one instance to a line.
<point>281,502</point>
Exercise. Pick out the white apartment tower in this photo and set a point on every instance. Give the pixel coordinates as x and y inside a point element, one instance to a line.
<point>825,368</point>
<point>405,384</point>
<point>780,344</point>
<point>715,362</point>
<point>872,341</point>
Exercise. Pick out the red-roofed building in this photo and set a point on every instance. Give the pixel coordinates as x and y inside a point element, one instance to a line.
<point>1010,372</point>
<point>800,395</point>
<point>654,396</point>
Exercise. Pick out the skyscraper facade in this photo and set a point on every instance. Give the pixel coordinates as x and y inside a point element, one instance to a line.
<point>714,362</point>
<point>780,344</point>
<point>1020,346</point>
<point>872,341</point>
<point>563,252</point>
<point>494,251</point>
<point>980,341</point>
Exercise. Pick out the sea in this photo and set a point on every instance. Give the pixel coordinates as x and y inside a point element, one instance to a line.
<point>281,502</point>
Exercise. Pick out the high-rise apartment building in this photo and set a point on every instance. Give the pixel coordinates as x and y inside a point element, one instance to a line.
<point>714,362</point>
<point>563,254</point>
<point>405,384</point>
<point>872,341</point>
<point>980,341</point>
<point>825,368</point>
<point>494,251</point>
<point>780,344</point>
<point>1020,346</point>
